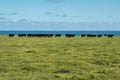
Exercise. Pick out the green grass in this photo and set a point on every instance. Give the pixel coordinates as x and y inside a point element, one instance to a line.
<point>59,58</point>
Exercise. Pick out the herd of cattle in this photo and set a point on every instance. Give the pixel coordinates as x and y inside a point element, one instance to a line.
<point>59,35</point>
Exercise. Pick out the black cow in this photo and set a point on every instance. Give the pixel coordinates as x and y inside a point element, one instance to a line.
<point>11,35</point>
<point>94,35</point>
<point>99,35</point>
<point>29,35</point>
<point>91,35</point>
<point>58,35</point>
<point>21,35</point>
<point>70,35</point>
<point>110,35</point>
<point>43,35</point>
<point>50,35</point>
<point>105,34</point>
<point>83,35</point>
<point>47,35</point>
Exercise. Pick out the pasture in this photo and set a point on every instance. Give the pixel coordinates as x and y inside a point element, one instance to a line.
<point>59,58</point>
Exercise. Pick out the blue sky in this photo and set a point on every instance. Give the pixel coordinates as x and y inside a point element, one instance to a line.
<point>59,15</point>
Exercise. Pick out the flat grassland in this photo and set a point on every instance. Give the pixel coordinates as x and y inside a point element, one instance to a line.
<point>59,58</point>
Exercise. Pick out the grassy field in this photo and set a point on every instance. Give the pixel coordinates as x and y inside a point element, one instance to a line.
<point>59,58</point>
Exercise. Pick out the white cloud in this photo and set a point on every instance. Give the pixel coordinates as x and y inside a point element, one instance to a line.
<point>24,24</point>
<point>48,13</point>
<point>14,13</point>
<point>9,13</point>
<point>2,13</point>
